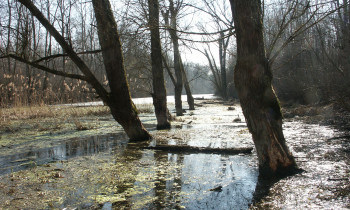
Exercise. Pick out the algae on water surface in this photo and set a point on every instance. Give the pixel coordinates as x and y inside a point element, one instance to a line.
<point>107,171</point>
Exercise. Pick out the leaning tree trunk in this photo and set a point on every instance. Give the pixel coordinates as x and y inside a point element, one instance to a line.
<point>122,107</point>
<point>159,91</point>
<point>190,99</point>
<point>253,82</point>
<point>118,100</point>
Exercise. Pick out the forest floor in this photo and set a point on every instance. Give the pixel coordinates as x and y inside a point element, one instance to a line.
<point>80,158</point>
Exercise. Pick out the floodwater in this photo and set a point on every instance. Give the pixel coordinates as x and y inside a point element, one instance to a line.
<point>108,172</point>
<point>146,100</point>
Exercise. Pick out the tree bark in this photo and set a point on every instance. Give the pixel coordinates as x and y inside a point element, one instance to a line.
<point>177,64</point>
<point>159,91</point>
<point>190,99</point>
<point>118,100</point>
<point>122,107</point>
<point>222,56</point>
<point>253,81</point>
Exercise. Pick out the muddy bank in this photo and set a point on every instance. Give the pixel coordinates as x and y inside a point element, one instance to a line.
<point>105,171</point>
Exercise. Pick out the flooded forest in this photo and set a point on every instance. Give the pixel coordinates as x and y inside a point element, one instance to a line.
<point>174,104</point>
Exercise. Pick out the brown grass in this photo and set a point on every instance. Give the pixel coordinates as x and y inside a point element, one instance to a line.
<point>59,113</point>
<point>40,112</point>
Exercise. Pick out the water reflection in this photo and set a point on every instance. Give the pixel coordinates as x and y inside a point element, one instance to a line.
<point>123,175</point>
<point>185,181</point>
<point>233,173</point>
<point>64,151</point>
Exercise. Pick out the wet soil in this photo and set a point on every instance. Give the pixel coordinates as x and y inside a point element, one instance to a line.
<point>88,171</point>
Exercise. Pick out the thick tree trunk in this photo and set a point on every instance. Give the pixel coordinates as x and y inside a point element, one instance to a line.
<point>159,91</point>
<point>253,82</point>
<point>122,107</point>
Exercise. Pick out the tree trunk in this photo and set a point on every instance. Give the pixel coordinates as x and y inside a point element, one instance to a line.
<point>213,68</point>
<point>222,56</point>
<point>122,107</point>
<point>346,38</point>
<point>253,81</point>
<point>178,75</point>
<point>118,100</point>
<point>8,47</point>
<point>190,99</point>
<point>177,63</point>
<point>159,91</point>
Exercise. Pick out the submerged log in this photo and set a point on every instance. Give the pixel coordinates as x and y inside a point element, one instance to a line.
<point>192,149</point>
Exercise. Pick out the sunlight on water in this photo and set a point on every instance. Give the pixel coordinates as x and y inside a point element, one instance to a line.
<point>107,172</point>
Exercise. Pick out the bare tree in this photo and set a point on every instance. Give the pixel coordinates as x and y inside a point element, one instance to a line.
<point>303,44</point>
<point>159,91</point>
<point>170,17</point>
<point>222,22</point>
<point>118,98</point>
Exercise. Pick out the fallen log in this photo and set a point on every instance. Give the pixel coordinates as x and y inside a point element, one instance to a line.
<point>206,150</point>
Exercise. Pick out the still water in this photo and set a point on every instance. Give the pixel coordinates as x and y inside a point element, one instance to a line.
<point>108,172</point>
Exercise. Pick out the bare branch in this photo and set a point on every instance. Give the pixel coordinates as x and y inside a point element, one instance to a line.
<point>304,27</point>
<point>46,69</point>
<point>62,55</point>
<point>91,79</point>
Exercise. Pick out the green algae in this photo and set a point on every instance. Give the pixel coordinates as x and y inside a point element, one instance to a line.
<point>39,134</point>
<point>96,180</point>
<point>21,125</point>
<point>127,178</point>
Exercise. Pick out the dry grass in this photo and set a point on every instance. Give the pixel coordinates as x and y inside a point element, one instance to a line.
<point>41,112</point>
<point>145,108</point>
<point>8,116</point>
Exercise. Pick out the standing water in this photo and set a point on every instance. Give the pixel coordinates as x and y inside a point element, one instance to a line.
<point>108,172</point>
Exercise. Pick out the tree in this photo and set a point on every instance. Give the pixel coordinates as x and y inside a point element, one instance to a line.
<point>221,21</point>
<point>190,99</point>
<point>223,44</point>
<point>253,82</point>
<point>159,91</point>
<point>178,65</point>
<point>118,98</point>
<point>302,40</point>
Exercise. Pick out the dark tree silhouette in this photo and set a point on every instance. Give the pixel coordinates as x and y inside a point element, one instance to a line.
<point>253,81</point>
